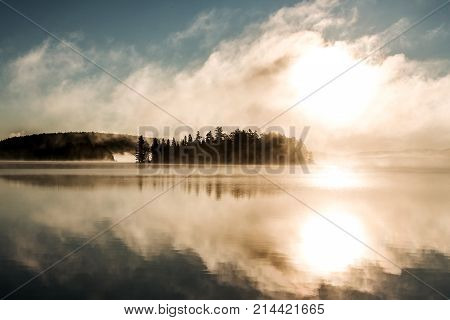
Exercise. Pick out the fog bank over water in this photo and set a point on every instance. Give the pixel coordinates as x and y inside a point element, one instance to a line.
<point>414,159</point>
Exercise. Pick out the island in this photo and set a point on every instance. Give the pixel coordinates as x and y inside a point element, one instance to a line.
<point>236,147</point>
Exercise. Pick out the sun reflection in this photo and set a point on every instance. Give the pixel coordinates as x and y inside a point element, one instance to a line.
<point>325,248</point>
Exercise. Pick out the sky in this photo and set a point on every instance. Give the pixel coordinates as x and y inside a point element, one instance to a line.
<point>230,63</point>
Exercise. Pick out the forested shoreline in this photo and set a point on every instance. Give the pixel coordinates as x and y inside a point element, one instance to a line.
<point>237,147</point>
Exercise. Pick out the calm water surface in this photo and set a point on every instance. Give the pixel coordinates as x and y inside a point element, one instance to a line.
<point>225,234</point>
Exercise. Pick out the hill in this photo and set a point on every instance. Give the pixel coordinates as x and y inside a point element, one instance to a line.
<point>67,146</point>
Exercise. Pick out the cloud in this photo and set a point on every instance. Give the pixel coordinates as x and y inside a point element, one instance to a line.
<point>437,32</point>
<point>389,101</point>
<point>203,23</point>
<point>209,25</point>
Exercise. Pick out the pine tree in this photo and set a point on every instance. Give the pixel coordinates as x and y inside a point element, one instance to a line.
<point>218,134</point>
<point>155,150</point>
<point>198,137</point>
<point>209,137</point>
<point>142,150</point>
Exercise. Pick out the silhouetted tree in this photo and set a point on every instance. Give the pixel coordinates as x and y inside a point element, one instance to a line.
<point>142,150</point>
<point>154,149</point>
<point>209,137</point>
<point>218,134</point>
<point>198,137</point>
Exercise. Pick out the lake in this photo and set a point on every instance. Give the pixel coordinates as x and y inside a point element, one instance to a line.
<point>338,232</point>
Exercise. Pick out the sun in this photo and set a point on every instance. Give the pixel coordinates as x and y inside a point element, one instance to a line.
<point>343,97</point>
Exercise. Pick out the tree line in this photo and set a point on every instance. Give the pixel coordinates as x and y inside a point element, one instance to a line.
<point>237,147</point>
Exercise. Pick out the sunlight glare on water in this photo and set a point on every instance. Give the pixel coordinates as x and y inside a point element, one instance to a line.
<point>325,248</point>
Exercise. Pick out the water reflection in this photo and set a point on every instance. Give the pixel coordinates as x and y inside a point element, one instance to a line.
<point>213,187</point>
<point>337,250</point>
<point>221,236</point>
